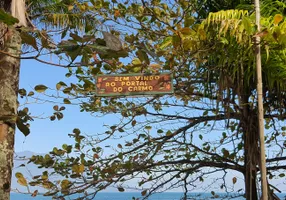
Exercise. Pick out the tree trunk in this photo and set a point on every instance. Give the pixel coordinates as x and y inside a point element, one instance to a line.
<point>251,152</point>
<point>250,162</point>
<point>10,42</point>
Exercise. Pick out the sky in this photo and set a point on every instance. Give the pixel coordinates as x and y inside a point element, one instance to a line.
<point>46,134</point>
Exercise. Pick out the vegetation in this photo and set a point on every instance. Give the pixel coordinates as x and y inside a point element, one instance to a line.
<point>207,128</point>
<point>45,20</point>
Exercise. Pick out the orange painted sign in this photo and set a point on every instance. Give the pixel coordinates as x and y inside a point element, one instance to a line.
<point>134,84</point>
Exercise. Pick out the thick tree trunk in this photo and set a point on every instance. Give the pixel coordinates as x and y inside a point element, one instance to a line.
<point>250,162</point>
<point>10,42</point>
<point>251,153</point>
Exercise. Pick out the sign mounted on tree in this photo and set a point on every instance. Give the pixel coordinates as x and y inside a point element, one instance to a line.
<point>134,84</point>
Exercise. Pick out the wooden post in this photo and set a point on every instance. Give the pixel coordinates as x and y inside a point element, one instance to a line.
<point>260,106</point>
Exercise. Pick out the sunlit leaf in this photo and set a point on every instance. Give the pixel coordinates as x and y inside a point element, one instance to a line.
<point>41,88</point>
<point>166,42</point>
<point>65,184</point>
<point>20,179</point>
<point>277,19</point>
<point>67,101</point>
<point>78,169</point>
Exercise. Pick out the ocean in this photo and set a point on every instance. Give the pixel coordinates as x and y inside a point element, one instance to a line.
<point>129,195</point>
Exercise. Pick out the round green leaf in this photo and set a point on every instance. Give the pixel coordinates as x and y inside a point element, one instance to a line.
<point>41,88</point>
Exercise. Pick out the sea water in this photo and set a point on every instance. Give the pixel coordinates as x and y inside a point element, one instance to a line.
<point>129,196</point>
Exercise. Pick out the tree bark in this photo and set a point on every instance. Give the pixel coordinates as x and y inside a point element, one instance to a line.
<point>251,152</point>
<point>10,42</point>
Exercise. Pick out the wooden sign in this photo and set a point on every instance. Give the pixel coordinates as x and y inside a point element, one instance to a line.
<point>134,84</point>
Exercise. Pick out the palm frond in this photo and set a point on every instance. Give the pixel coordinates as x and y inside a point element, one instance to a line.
<point>232,33</point>
<point>61,14</point>
<point>272,7</point>
<point>225,15</point>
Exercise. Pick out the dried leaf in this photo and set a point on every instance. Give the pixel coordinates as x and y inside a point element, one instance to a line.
<point>277,19</point>
<point>234,180</point>
<point>35,193</point>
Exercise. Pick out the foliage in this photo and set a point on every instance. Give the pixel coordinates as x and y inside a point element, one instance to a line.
<point>81,39</point>
<point>206,128</point>
<point>6,18</point>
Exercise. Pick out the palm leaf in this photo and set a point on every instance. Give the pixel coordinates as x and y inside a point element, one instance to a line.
<point>61,15</point>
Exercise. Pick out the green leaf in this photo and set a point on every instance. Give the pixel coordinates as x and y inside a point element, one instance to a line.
<point>31,93</point>
<point>223,40</point>
<point>239,146</point>
<point>76,131</point>
<point>20,179</point>
<point>22,92</point>
<point>65,184</point>
<point>22,127</point>
<point>68,75</point>
<point>176,41</point>
<point>78,169</point>
<point>136,62</point>
<point>121,130</point>
<point>160,131</point>
<point>7,19</point>
<point>247,25</point>
<point>62,108</point>
<point>169,133</point>
<point>66,101</point>
<point>205,113</point>
<point>186,31</point>
<point>142,55</point>
<point>60,84</point>
<point>166,42</point>
<point>29,39</point>
<point>189,44</point>
<point>189,20</point>
<point>59,115</point>
<point>19,175</point>
<point>225,153</point>
<point>45,175</point>
<point>76,37</point>
<point>41,88</point>
<point>120,156</point>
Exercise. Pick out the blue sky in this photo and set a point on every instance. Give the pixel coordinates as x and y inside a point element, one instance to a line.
<point>46,134</point>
